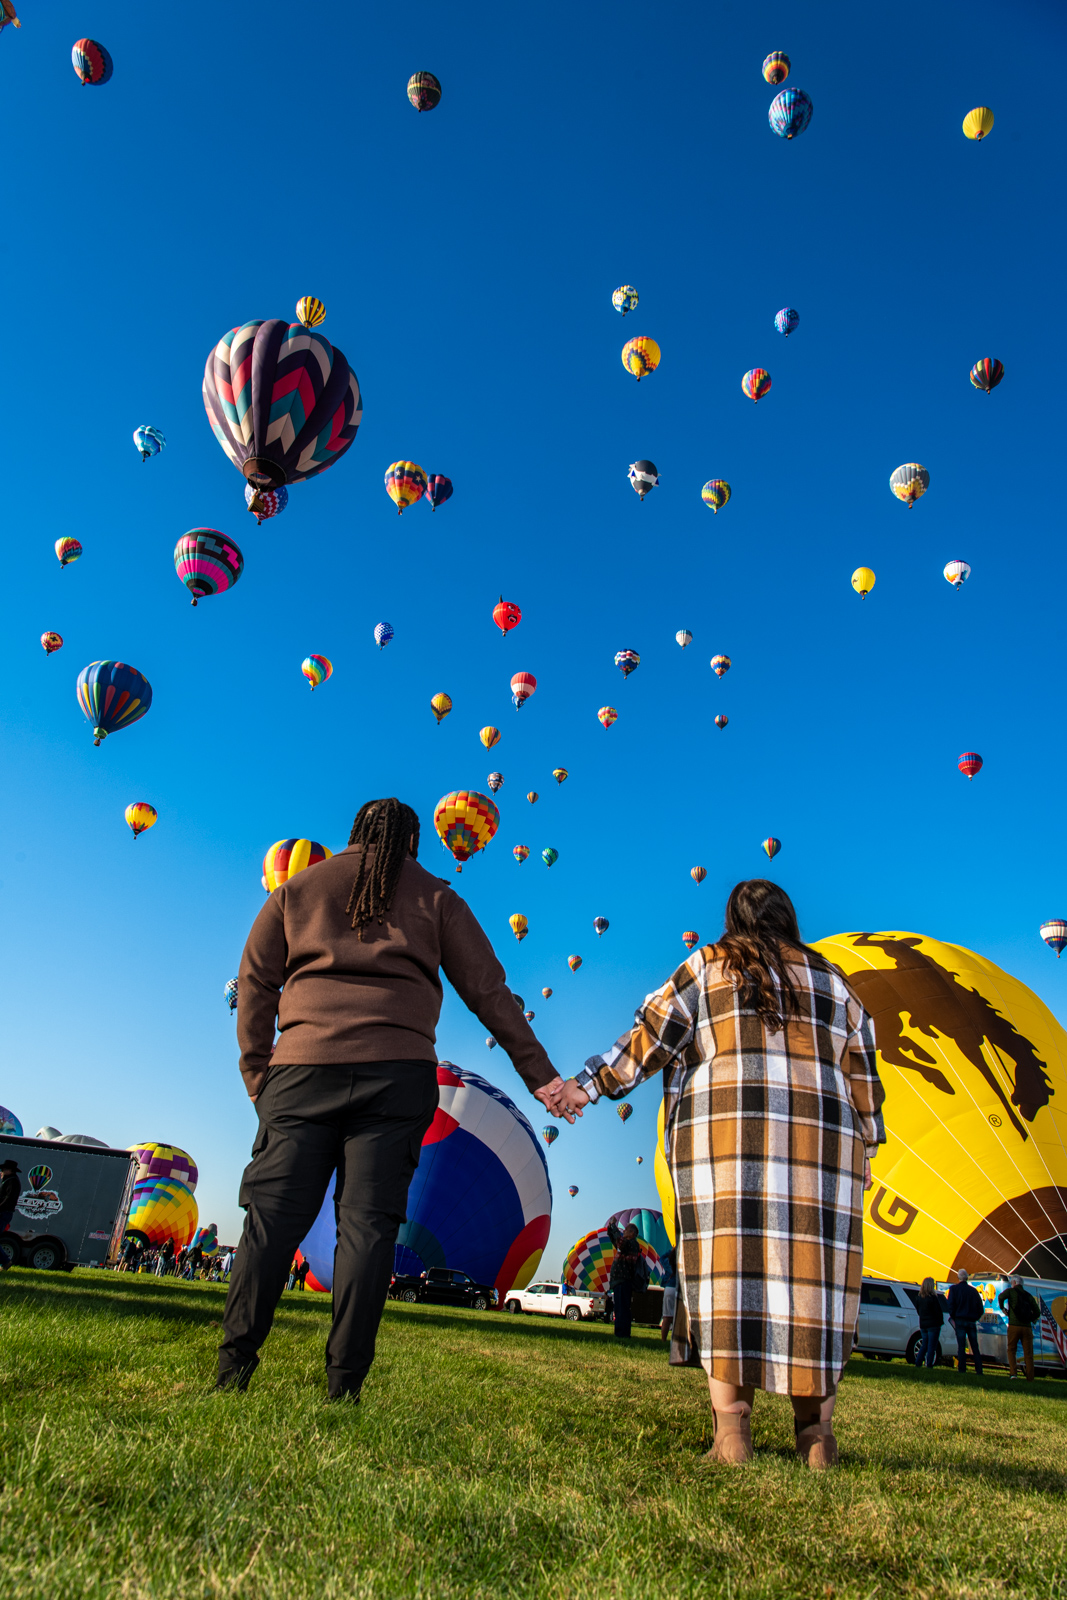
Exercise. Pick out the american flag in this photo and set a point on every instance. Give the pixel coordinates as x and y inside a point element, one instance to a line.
<point>1052,1330</point>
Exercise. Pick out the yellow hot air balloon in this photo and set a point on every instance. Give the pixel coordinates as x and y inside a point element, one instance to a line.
<point>664,1182</point>
<point>441,705</point>
<point>310,313</point>
<point>977,123</point>
<point>490,737</point>
<point>140,816</point>
<point>974,1170</point>
<point>863,581</point>
<point>640,356</point>
<point>560,774</point>
<point>288,857</point>
<point>519,926</point>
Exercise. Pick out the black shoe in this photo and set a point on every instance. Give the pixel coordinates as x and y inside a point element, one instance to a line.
<point>349,1395</point>
<point>236,1377</point>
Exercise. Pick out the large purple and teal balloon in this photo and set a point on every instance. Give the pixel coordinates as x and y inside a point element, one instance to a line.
<point>112,696</point>
<point>207,562</point>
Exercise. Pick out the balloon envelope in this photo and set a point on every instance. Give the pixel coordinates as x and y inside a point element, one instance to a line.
<point>643,477</point>
<point>771,847</point>
<point>149,441</point>
<point>310,313</point>
<point>607,715</point>
<point>625,298</point>
<point>863,581</point>
<point>438,490</point>
<point>550,1135</point>
<point>140,815</point>
<point>987,373</point>
<point>112,696</point>
<point>229,993</point>
<point>93,64</point>
<point>383,632</point>
<point>640,357</point>
<point>957,573</point>
<point>316,669</point>
<point>506,615</point>
<point>715,493</point>
<point>465,821</point>
<point>977,123</point>
<point>909,482</point>
<point>268,502</point>
<point>490,737</point>
<point>787,320</point>
<point>683,637</point>
<point>790,113</point>
<point>207,562</point>
<point>1054,934</point>
<point>67,550</point>
<point>405,482</point>
<point>756,383</point>
<point>50,642</point>
<point>424,91</point>
<point>441,705</point>
<point>288,857</point>
<point>776,67</point>
<point>698,874</point>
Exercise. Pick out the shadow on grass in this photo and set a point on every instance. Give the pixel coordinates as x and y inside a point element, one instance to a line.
<point>531,1327</point>
<point>994,1380</point>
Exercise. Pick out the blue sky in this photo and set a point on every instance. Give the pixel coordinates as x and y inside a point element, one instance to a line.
<point>467,258</point>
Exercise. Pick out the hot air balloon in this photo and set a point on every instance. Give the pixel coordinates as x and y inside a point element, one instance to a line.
<point>532,797</point>
<point>547,993</point>
<point>51,642</point>
<point>790,113</point>
<point>112,696</point>
<point>523,685</point>
<point>287,857</point>
<point>440,705</point>
<point>607,715</point>
<point>310,313</point>
<point>506,615</point>
<point>627,661</point>
<point>465,821</point>
<point>689,939</point>
<point>698,874</point>
<point>269,502</point>
<point>957,573</point>
<point>787,320</point>
<point>520,927</point>
<point>520,852</point>
<point>529,1015</point>
<point>282,402</point>
<point>560,774</point>
<point>756,383</point>
<point>207,562</point>
<point>640,1159</point>
<point>721,721</point>
<point>625,1111</point>
<point>643,476</point>
<point>490,1043</point>
<point>405,482</point>
<point>625,299</point>
<point>438,490</point>
<point>720,665</point>
<point>316,670</point>
<point>574,962</point>
<point>549,856</point>
<point>550,1135</point>
<point>494,780</point>
<point>94,66</point>
<point>776,67</point>
<point>139,816</point>
<point>977,123</point>
<point>601,925</point>
<point>150,441</point>
<point>424,91</point>
<point>229,993</point>
<point>909,482</point>
<point>67,550</point>
<point>771,847</point>
<point>572,1190</point>
<point>683,637</point>
<point>383,632</point>
<point>490,737</point>
<point>715,493</point>
<point>987,373</point>
<point>640,357</point>
<point>863,581</point>
<point>1054,934</point>
<point>970,763</point>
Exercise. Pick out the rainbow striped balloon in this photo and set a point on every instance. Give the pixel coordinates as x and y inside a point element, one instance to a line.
<point>756,383</point>
<point>588,1264</point>
<point>112,696</point>
<point>316,670</point>
<point>67,550</point>
<point>288,857</point>
<point>207,562</point>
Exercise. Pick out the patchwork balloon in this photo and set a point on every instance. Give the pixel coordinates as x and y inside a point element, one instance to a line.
<point>268,502</point>
<point>756,383</point>
<point>229,993</point>
<point>787,320</point>
<point>607,715</point>
<point>112,696</point>
<point>383,632</point>
<point>207,562</point>
<point>715,493</point>
<point>287,857</point>
<point>625,299</point>
<point>438,490</point>
<point>640,357</point>
<point>520,852</point>
<point>587,1266</point>
<point>465,821</point>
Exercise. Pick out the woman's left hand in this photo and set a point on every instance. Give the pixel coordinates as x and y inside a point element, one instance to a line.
<point>868,1181</point>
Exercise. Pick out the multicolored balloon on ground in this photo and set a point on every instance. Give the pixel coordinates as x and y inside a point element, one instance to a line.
<point>405,482</point>
<point>480,1201</point>
<point>1054,934</point>
<point>643,477</point>
<point>163,1206</point>
<point>424,91</point>
<point>506,615</point>
<point>574,962</point>
<point>495,781</point>
<point>607,715</point>
<point>957,573</point>
<point>601,926</point>
<point>970,764</point>
<point>465,821</point>
<point>776,67</point>
<point>627,661</point>
<point>10,1124</point>
<point>519,925</point>
<point>683,638</point>
<point>441,705</point>
<point>715,493</point>
<point>287,857</point>
<point>787,320</point>
<point>51,642</point>
<point>229,993</point>
<point>112,696</point>
<point>977,123</point>
<point>560,774</point>
<point>587,1266</point>
<point>549,856</point>
<point>383,632</point>
<point>310,313</point>
<point>690,939</point>
<point>438,490</point>
<point>207,1240</point>
<point>523,685</point>
<point>987,373</point>
<point>625,298</point>
<point>140,816</point>
<point>640,357</point>
<point>757,383</point>
<point>67,550</point>
<point>207,562</point>
<point>863,581</point>
<point>268,502</point>
<point>771,847</point>
<point>316,670</point>
<point>790,113</point>
<point>909,482</point>
<point>698,874</point>
<point>149,441</point>
<point>94,66</point>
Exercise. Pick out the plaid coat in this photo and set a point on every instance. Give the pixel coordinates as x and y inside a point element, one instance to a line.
<point>765,1135</point>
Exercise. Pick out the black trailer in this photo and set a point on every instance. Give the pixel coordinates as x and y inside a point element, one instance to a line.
<point>73,1203</point>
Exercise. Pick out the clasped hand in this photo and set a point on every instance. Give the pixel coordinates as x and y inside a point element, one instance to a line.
<point>563,1100</point>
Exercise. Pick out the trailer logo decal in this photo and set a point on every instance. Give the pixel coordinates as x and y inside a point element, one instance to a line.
<point>39,1200</point>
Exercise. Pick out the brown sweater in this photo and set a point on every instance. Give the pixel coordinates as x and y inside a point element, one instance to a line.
<point>344,1000</point>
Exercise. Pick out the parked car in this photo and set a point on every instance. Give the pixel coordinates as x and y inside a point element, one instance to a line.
<point>888,1321</point>
<point>555,1300</point>
<point>444,1287</point>
<point>72,1207</point>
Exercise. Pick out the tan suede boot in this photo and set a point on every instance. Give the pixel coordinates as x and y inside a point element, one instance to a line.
<point>816,1446</point>
<point>733,1439</point>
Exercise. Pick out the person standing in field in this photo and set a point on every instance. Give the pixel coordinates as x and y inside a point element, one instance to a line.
<point>773,1112</point>
<point>347,956</point>
<point>965,1311</point>
<point>931,1317</point>
<point>628,1272</point>
<point>1022,1311</point>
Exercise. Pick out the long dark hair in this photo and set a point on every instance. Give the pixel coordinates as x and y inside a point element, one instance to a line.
<point>760,924</point>
<point>391,829</point>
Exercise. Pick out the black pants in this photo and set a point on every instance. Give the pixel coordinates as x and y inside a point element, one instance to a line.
<point>622,1295</point>
<point>366,1122</point>
<point>967,1333</point>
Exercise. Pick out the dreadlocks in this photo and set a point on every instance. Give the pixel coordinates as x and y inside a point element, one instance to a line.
<point>391,829</point>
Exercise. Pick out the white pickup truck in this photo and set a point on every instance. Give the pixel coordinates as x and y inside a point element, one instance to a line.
<point>555,1300</point>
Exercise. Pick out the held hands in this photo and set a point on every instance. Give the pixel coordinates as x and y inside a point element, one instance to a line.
<point>564,1100</point>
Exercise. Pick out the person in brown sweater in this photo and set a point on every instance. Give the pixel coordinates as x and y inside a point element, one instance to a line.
<point>347,958</point>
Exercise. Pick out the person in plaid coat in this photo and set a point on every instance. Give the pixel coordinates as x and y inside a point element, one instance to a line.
<point>772,1113</point>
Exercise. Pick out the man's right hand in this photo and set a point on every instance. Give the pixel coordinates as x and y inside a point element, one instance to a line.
<point>571,1102</point>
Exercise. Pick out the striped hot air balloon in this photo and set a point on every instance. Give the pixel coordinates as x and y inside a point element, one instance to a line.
<point>987,373</point>
<point>424,91</point>
<point>67,550</point>
<point>776,67</point>
<point>547,994</point>
<point>287,857</point>
<point>310,313</point>
<point>790,113</point>
<point>316,670</point>
<point>112,696</point>
<point>490,737</point>
<point>207,562</point>
<point>550,1135</point>
<point>560,774</point>
<point>640,357</point>
<point>1054,934</point>
<point>757,383</point>
<point>91,62</point>
<point>970,764</point>
<point>771,847</point>
<point>523,685</point>
<point>721,721</point>
<point>519,925</point>
<point>574,962</point>
<point>698,874</point>
<point>607,715</point>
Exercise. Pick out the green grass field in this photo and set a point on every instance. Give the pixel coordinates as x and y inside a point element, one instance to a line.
<point>490,1456</point>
